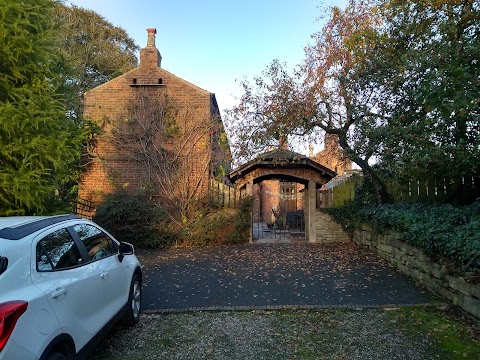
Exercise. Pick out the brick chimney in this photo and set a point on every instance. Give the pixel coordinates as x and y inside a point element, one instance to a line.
<point>149,56</point>
<point>331,142</point>
<point>283,142</point>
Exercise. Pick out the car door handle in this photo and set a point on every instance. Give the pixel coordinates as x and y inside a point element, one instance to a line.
<point>104,275</point>
<point>59,292</point>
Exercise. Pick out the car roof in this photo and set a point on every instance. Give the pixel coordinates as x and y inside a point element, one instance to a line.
<point>17,227</point>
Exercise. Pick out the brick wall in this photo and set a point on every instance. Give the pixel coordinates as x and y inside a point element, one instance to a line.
<point>332,156</point>
<point>109,168</point>
<point>268,197</point>
<point>270,191</point>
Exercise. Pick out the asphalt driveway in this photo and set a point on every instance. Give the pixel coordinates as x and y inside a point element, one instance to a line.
<point>257,276</point>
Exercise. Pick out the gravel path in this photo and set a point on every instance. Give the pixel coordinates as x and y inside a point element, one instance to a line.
<point>367,334</point>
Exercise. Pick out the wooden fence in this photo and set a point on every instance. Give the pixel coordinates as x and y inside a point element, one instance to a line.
<point>463,191</point>
<point>339,194</point>
<point>222,194</point>
<point>325,198</point>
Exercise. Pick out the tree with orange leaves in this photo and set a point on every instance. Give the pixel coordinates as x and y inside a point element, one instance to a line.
<point>397,81</point>
<point>323,93</point>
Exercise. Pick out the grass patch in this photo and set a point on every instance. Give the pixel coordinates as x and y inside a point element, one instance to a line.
<point>453,333</point>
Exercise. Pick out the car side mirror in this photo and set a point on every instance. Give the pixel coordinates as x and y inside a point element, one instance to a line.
<point>124,249</point>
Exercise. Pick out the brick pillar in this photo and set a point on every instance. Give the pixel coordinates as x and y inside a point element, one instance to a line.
<point>310,212</point>
<point>249,192</point>
<point>249,188</point>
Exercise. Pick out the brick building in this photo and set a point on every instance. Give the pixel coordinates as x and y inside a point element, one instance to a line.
<point>332,156</point>
<point>154,124</point>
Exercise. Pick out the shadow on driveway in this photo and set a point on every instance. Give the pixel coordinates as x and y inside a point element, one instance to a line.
<point>273,276</point>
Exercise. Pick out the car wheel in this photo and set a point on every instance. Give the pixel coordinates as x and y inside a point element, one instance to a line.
<point>132,316</point>
<point>56,356</point>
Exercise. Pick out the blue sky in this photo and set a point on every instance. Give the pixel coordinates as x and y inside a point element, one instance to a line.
<point>212,43</point>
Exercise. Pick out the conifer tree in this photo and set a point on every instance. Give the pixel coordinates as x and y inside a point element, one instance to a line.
<point>38,143</point>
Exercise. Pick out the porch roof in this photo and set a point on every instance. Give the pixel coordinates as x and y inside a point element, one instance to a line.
<point>280,158</point>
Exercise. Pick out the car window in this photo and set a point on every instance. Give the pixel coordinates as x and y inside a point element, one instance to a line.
<point>97,243</point>
<point>57,251</point>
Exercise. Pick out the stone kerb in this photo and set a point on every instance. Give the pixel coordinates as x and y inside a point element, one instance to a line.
<point>435,276</point>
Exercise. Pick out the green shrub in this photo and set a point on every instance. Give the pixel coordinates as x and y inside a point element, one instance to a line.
<point>444,230</point>
<point>136,220</point>
<point>223,227</point>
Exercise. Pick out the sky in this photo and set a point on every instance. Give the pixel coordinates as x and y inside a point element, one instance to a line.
<point>214,44</point>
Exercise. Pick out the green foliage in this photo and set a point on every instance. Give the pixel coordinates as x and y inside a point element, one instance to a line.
<point>441,230</point>
<point>223,143</point>
<point>428,63</point>
<point>223,227</point>
<point>220,171</point>
<point>452,330</point>
<point>39,145</point>
<point>136,220</point>
<point>97,51</point>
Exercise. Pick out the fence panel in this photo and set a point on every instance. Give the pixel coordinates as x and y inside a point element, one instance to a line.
<point>345,191</point>
<point>470,189</point>
<point>222,194</point>
<point>463,190</point>
<point>324,198</point>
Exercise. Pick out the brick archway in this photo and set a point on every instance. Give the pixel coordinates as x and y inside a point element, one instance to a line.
<point>286,165</point>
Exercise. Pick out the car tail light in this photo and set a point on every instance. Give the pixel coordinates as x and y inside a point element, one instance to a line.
<point>10,312</point>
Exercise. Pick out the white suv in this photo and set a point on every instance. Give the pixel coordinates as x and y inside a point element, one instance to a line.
<point>63,282</point>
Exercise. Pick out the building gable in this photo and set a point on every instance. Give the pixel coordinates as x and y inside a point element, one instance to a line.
<point>112,102</point>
